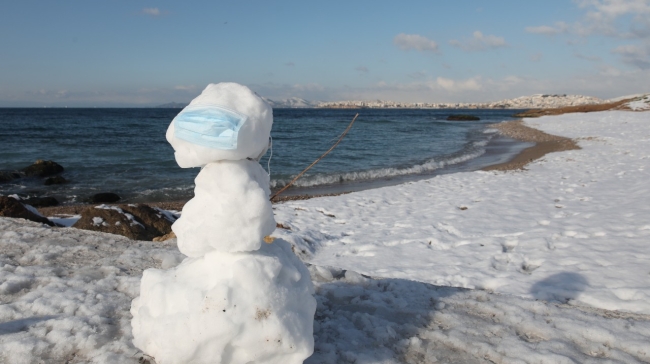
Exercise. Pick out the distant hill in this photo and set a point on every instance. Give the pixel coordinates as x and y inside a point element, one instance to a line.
<point>171,105</point>
<point>294,103</point>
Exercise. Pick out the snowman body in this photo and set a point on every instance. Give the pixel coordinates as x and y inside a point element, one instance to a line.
<point>230,212</point>
<point>235,299</point>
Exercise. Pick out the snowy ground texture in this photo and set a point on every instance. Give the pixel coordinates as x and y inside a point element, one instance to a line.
<point>643,103</point>
<point>549,265</point>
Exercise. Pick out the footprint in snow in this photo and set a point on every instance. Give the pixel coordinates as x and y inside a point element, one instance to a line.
<point>509,245</point>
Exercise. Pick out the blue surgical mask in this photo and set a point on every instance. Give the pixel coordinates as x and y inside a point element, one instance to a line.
<point>210,126</point>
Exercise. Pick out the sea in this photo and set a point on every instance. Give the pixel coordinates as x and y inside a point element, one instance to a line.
<point>124,151</point>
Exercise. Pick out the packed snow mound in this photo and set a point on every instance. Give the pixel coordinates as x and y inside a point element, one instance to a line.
<point>641,103</point>
<point>230,212</point>
<point>254,307</point>
<point>252,138</point>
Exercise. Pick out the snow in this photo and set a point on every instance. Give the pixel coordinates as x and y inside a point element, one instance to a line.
<point>66,220</point>
<point>229,308</point>
<point>65,293</point>
<point>626,97</point>
<point>516,277</point>
<point>362,320</point>
<point>230,212</point>
<point>33,210</point>
<point>643,103</point>
<point>573,228</point>
<point>170,215</point>
<point>253,137</point>
<point>131,218</point>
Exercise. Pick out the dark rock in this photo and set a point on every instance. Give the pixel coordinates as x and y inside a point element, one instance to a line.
<point>137,222</point>
<point>104,197</point>
<point>41,201</point>
<point>461,117</point>
<point>42,168</point>
<point>10,207</point>
<point>6,176</point>
<point>56,180</point>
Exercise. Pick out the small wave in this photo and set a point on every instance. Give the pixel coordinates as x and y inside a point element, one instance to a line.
<point>379,121</point>
<point>180,189</point>
<point>165,194</point>
<point>429,166</point>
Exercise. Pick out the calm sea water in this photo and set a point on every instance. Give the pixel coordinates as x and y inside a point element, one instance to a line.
<point>125,151</point>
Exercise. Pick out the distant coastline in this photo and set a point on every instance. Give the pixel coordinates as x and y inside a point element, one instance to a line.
<point>538,101</point>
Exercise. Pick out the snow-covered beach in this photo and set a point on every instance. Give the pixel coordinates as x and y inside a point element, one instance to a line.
<point>546,265</point>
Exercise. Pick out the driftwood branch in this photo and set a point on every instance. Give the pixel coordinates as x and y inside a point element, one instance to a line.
<point>317,160</point>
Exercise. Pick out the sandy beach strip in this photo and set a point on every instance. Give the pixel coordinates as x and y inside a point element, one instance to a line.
<point>544,144</point>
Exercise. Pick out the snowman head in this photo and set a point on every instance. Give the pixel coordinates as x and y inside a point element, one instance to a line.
<point>227,121</point>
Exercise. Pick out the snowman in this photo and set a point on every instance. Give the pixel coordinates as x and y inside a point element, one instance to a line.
<point>235,298</point>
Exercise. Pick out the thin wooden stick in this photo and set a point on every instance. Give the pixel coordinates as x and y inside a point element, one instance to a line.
<point>317,160</point>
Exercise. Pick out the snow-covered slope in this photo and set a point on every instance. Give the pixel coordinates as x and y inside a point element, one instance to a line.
<point>574,228</point>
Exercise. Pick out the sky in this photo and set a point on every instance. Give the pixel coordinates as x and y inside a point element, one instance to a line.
<point>145,53</point>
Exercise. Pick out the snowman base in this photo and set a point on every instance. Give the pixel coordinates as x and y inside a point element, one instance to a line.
<point>249,307</point>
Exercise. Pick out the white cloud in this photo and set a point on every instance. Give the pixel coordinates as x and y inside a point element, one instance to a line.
<point>559,28</point>
<point>152,11</point>
<point>49,94</point>
<point>415,42</point>
<point>185,88</point>
<point>308,87</point>
<point>609,71</point>
<point>619,19</point>
<point>470,84</point>
<point>479,42</point>
<point>279,91</point>
<point>588,58</point>
<point>100,97</point>
<point>637,56</point>
<point>513,80</point>
<point>605,17</point>
<point>417,75</point>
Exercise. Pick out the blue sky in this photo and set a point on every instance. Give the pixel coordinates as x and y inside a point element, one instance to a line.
<point>140,53</point>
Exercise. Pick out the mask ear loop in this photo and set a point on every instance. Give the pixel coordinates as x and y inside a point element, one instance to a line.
<point>268,165</point>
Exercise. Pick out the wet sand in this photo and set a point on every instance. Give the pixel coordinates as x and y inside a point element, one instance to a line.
<point>544,144</point>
